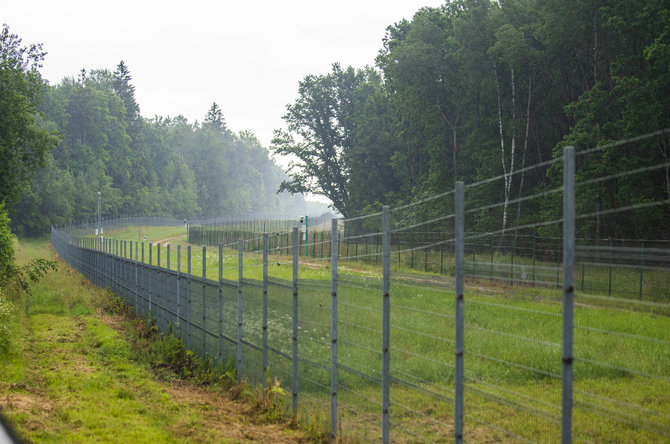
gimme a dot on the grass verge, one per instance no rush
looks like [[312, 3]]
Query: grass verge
[[76, 368]]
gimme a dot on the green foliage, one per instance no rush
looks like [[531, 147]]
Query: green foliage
[[10, 272], [477, 89], [168, 353], [7, 316], [33, 272], [6, 247], [271, 400], [321, 133], [24, 143], [154, 166]]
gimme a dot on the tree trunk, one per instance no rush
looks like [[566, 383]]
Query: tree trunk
[[664, 153], [452, 123], [508, 174], [502, 143], [525, 147]]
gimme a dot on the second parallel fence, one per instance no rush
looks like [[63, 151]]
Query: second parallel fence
[[466, 335]]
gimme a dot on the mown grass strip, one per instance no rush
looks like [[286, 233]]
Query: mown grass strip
[[78, 370]]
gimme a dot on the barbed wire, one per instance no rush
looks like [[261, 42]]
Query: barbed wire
[[425, 335], [420, 343], [498, 429], [663, 378], [624, 404], [543, 414], [515, 364], [623, 335], [510, 335], [622, 142], [421, 224], [422, 201], [624, 300], [633, 421], [365, 216], [467, 187], [622, 174], [361, 346]]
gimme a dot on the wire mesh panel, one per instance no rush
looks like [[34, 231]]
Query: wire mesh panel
[[252, 337], [314, 346], [280, 330], [195, 313], [211, 337], [382, 345], [622, 339]]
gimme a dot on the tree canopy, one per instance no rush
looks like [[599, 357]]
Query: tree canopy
[[163, 165], [478, 88], [24, 141]]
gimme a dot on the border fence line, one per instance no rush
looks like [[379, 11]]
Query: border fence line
[[406, 365]]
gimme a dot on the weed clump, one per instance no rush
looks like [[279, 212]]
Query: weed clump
[[6, 318]]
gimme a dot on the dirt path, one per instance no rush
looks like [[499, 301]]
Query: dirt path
[[165, 241]]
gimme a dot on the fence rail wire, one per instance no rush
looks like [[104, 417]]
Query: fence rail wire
[[387, 358]]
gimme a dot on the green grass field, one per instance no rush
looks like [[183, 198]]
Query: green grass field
[[512, 358], [75, 370]]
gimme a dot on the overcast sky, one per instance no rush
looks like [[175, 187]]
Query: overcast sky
[[246, 55]]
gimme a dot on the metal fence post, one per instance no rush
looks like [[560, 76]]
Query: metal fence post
[[98, 263], [159, 305], [220, 297], [386, 321], [204, 302], [334, 239], [265, 307], [294, 382], [167, 288], [137, 289], [459, 348], [178, 326], [188, 297], [115, 252], [240, 272], [124, 273], [144, 273], [149, 273], [568, 288]]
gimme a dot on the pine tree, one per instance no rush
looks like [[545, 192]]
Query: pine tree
[[126, 91], [214, 118]]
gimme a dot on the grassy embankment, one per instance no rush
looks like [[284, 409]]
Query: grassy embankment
[[513, 353], [78, 369]]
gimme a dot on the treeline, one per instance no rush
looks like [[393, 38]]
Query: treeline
[[477, 89], [156, 166]]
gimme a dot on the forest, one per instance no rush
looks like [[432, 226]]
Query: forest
[[467, 91], [477, 89], [156, 166]]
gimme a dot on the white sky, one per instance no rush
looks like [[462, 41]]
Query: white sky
[[246, 55]]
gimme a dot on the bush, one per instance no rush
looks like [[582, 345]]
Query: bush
[[9, 272], [7, 267], [6, 321]]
